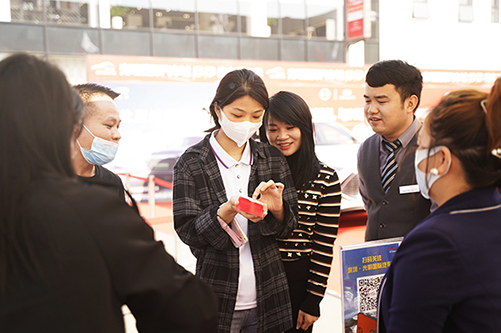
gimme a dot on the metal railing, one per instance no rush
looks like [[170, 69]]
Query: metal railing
[[151, 180]]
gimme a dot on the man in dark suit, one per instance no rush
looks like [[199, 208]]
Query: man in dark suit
[[390, 192]]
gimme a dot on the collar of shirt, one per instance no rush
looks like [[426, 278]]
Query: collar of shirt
[[224, 158], [406, 137]]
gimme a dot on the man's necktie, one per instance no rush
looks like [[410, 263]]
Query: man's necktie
[[390, 166]]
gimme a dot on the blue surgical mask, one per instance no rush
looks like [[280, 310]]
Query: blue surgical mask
[[101, 152], [426, 180]]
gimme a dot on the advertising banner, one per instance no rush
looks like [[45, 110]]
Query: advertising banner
[[164, 101], [362, 269]]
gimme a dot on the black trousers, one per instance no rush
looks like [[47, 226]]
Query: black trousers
[[297, 276]]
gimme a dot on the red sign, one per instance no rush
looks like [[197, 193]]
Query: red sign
[[355, 18]]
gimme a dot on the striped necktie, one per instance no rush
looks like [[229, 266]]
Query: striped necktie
[[390, 166]]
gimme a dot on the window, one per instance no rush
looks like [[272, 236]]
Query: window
[[222, 21], [495, 11], [465, 11], [129, 14], [174, 14], [293, 17], [325, 19], [420, 9], [54, 12], [27, 11], [66, 12], [259, 18]]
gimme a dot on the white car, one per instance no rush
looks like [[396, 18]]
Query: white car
[[336, 146]]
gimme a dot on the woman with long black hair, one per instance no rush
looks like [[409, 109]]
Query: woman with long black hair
[[306, 253], [72, 254]]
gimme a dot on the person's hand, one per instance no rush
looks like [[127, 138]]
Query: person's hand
[[270, 193], [305, 320], [228, 210]]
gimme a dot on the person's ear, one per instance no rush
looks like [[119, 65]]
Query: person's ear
[[411, 103], [443, 160], [217, 110], [77, 129], [74, 147]]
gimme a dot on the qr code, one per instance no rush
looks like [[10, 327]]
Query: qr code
[[368, 288]]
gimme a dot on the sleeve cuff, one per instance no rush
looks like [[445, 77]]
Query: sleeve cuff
[[311, 305]]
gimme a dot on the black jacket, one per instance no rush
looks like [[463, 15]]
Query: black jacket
[[95, 254]]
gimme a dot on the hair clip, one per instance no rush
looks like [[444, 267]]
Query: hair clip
[[483, 104], [496, 152]]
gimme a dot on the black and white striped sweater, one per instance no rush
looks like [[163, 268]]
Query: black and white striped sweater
[[319, 208]]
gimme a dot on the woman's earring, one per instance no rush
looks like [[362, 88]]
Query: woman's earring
[[434, 171]]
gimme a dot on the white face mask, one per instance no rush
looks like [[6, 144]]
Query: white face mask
[[426, 180], [238, 132]]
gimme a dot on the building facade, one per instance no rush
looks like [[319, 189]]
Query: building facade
[[441, 34], [275, 30]]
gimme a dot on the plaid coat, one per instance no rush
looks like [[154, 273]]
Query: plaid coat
[[198, 192]]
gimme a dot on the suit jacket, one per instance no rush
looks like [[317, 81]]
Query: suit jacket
[[198, 192], [390, 214], [95, 254], [446, 274]]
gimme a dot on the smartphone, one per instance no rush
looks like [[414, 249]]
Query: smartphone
[[250, 206]]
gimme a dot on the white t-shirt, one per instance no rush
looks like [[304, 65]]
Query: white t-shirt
[[235, 176]]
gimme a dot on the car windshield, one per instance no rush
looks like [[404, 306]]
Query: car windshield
[[329, 135]]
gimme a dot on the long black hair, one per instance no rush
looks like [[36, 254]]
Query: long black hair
[[236, 84], [39, 114], [291, 109]]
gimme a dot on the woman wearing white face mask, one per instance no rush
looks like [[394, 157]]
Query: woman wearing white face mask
[[248, 278], [445, 276]]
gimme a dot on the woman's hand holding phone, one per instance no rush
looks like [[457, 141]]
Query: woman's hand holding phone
[[252, 209], [233, 206], [270, 193]]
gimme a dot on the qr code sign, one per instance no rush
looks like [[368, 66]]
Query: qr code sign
[[368, 288]]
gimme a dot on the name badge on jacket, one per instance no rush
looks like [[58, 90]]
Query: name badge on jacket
[[409, 189]]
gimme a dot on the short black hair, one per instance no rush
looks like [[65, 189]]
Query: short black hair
[[88, 90], [406, 78]]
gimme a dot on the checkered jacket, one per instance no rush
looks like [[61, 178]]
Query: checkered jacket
[[197, 194]]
